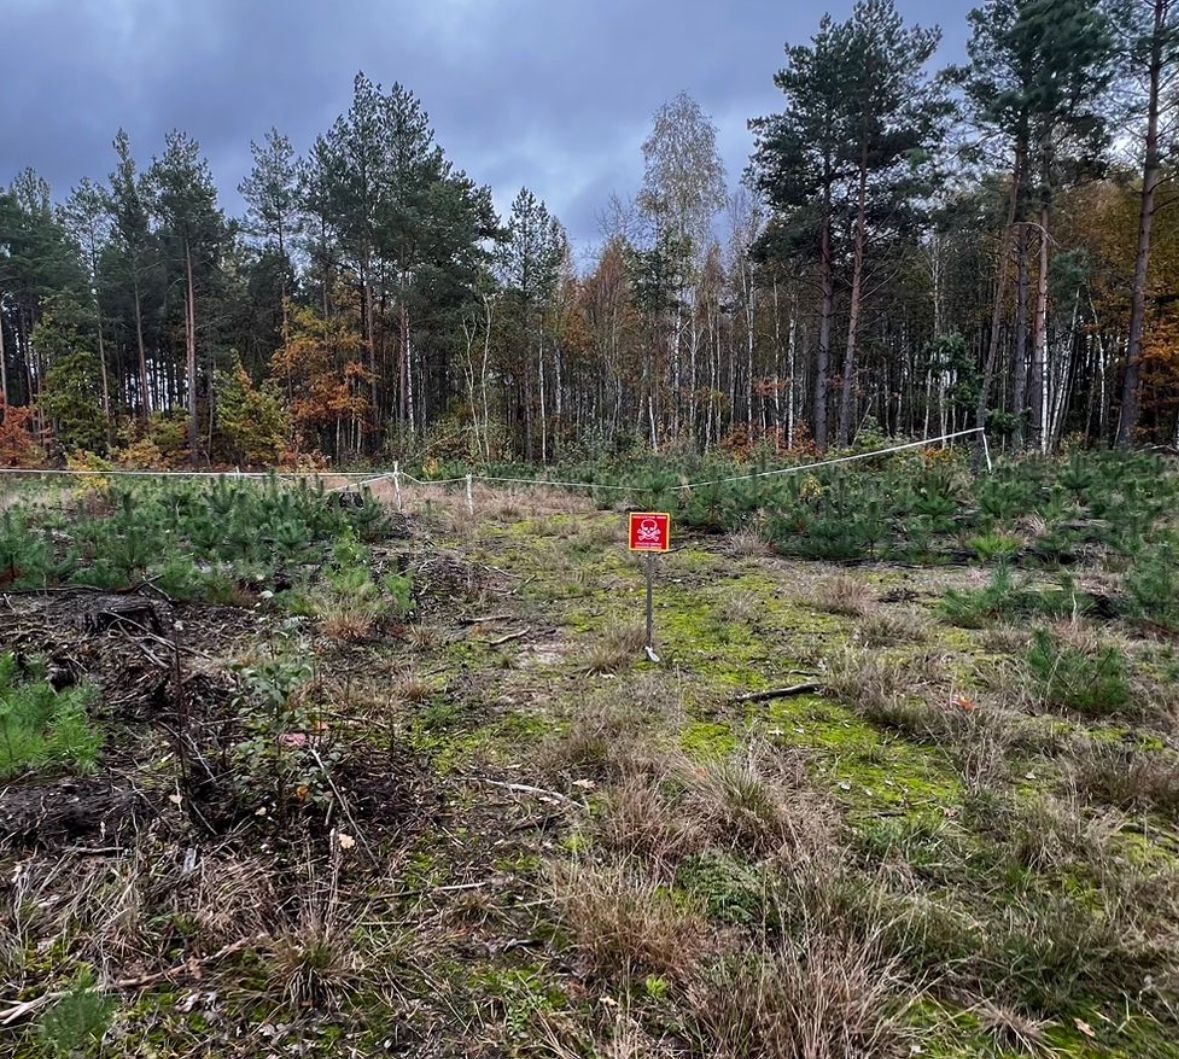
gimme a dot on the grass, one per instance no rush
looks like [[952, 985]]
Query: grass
[[41, 727], [1127, 778], [954, 846], [625, 923], [617, 649], [1078, 673], [843, 595], [889, 628], [821, 995]]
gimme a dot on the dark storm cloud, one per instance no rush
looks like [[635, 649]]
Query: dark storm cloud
[[555, 95]]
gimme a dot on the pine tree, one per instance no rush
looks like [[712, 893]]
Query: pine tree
[[192, 233], [800, 159], [893, 118], [129, 204]]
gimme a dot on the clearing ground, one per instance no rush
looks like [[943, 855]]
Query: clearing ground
[[829, 822]]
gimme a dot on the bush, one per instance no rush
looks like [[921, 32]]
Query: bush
[[18, 446], [253, 422], [1152, 586], [39, 726], [349, 602], [1078, 676], [77, 1023], [204, 540], [1003, 599]]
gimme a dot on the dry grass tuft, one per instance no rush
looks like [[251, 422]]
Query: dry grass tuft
[[749, 543], [411, 689], [866, 682], [980, 741], [625, 923], [614, 732], [822, 996], [315, 963], [665, 807], [615, 651], [843, 594], [640, 819], [1048, 833], [1111, 774], [1006, 639], [343, 623], [759, 803], [234, 898], [743, 608], [425, 637], [1013, 1031], [885, 628]]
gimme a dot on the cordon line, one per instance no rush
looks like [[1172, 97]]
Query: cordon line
[[365, 477]]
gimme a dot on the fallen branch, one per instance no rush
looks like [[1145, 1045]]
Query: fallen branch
[[540, 792], [495, 880], [484, 619], [779, 693], [344, 805], [11, 1014], [509, 636]]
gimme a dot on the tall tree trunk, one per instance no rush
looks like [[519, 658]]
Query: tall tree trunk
[[1019, 367], [544, 423], [676, 378], [106, 393], [483, 378], [3, 359], [847, 390], [826, 308], [144, 393], [191, 357], [1039, 381], [791, 350], [1151, 173], [405, 365], [750, 312], [984, 393], [370, 327]]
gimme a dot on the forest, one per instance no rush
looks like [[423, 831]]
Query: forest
[[911, 250]]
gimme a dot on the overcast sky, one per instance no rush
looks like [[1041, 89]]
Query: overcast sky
[[553, 94]]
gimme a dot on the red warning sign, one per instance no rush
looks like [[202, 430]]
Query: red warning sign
[[650, 531]]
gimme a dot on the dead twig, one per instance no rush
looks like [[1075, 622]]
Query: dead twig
[[780, 693], [19, 1010], [540, 792], [495, 880], [484, 619], [507, 638], [344, 805]]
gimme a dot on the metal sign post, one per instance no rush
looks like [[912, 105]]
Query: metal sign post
[[650, 603], [650, 532]]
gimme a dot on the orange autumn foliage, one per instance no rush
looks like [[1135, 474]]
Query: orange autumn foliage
[[18, 446], [320, 370]]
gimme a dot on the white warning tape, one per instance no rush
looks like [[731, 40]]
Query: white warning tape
[[367, 477]]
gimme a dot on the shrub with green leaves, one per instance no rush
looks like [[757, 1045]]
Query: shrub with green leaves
[[1087, 678], [77, 1023], [40, 727], [1152, 585], [194, 540], [347, 598], [1006, 599], [995, 547]]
